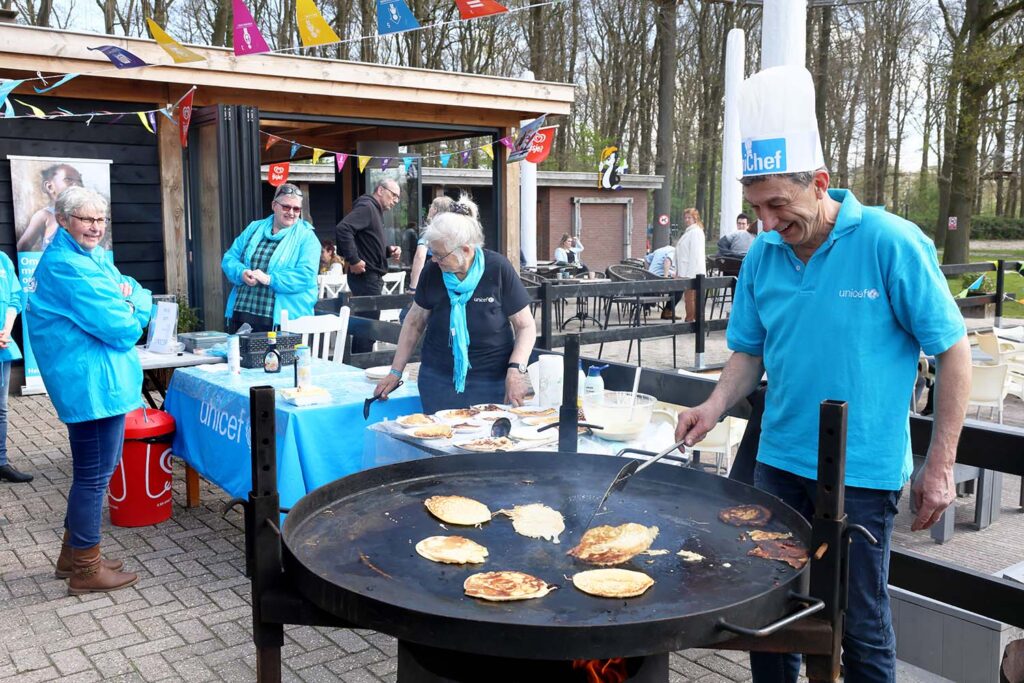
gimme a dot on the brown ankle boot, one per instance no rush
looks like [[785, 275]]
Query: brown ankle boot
[[63, 570], [88, 575]]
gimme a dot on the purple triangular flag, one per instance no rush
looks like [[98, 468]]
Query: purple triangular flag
[[385, 162], [465, 156], [120, 57], [247, 37]]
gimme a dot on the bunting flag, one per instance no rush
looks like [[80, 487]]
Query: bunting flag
[[166, 114], [540, 146], [178, 52], [277, 174], [317, 153], [506, 141], [394, 16], [340, 159], [247, 37], [185, 116], [489, 151], [295, 148], [464, 156], [406, 163], [384, 163], [62, 81], [5, 89], [36, 111], [152, 121], [120, 57], [145, 121], [976, 284], [313, 28], [444, 159], [526, 134], [474, 9], [363, 161], [271, 141]]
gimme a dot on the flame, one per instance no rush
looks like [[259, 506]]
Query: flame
[[602, 670]]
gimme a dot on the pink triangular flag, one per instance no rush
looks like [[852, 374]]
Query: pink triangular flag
[[340, 159], [247, 37]]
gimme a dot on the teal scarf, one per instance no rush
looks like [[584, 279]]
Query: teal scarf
[[459, 294]]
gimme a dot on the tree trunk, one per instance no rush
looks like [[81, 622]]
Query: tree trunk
[[666, 39], [949, 127], [964, 170], [999, 158], [821, 82]]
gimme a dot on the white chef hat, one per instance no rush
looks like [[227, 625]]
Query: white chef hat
[[777, 122]]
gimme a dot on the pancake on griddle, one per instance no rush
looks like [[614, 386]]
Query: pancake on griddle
[[758, 535], [536, 521], [608, 545], [487, 444], [790, 552], [612, 583], [504, 586], [746, 515], [458, 510], [451, 550]]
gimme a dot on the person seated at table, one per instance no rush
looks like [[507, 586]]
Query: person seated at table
[[330, 262], [568, 252], [476, 314], [273, 266], [736, 244], [84, 319], [661, 263]]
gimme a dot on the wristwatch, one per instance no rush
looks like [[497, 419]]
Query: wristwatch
[[517, 366]]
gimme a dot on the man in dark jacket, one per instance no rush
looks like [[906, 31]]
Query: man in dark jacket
[[361, 242]]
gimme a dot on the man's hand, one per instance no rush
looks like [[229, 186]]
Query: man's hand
[[357, 268], [248, 278], [933, 492], [126, 289], [386, 386], [395, 252], [695, 423], [516, 387]]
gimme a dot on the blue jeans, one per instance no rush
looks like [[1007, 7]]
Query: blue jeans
[[437, 390], [869, 643], [5, 380], [95, 451]]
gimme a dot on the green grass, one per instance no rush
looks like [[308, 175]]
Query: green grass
[[1014, 282]]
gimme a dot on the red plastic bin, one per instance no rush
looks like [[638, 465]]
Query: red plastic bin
[[139, 493]]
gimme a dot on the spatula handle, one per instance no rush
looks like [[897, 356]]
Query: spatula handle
[[661, 455]]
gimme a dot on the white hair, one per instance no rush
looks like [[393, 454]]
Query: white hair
[[74, 198], [458, 227]]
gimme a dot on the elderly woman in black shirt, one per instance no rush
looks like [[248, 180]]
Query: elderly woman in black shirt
[[476, 314]]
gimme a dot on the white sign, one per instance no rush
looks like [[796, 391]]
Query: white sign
[[163, 328]]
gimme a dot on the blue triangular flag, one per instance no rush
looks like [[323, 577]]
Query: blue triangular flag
[[977, 283], [5, 89], [62, 81], [120, 57], [406, 162], [295, 148], [445, 158], [394, 16]]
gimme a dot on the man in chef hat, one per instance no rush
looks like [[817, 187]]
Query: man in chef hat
[[836, 300]]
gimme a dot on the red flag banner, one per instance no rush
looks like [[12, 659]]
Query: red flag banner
[[474, 9], [185, 116], [540, 146], [271, 140], [277, 174]]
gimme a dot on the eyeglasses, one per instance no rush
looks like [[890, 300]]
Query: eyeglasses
[[289, 209], [438, 259], [90, 221], [393, 193], [288, 189]]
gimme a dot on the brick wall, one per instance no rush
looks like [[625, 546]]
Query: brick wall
[[601, 224]]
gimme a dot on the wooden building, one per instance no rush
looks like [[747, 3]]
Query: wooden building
[[175, 211]]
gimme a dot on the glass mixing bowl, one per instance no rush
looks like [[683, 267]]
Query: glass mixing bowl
[[620, 419]]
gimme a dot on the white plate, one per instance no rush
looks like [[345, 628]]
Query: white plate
[[453, 415], [491, 407], [469, 426], [404, 423], [378, 373], [531, 434]]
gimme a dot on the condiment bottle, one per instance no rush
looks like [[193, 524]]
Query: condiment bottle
[[594, 384], [272, 359]]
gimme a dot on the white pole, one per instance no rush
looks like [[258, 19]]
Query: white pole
[[783, 33], [732, 154], [528, 202]]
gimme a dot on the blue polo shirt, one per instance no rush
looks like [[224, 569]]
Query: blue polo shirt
[[847, 325]]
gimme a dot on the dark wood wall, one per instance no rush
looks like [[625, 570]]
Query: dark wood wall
[[134, 176]]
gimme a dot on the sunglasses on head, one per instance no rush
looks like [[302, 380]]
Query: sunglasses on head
[[286, 190]]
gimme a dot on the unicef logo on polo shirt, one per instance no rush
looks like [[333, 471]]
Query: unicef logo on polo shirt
[[764, 156], [870, 294]]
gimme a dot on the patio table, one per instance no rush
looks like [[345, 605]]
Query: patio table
[[315, 444]]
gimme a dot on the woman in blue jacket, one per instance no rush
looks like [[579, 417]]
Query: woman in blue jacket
[[84, 318], [273, 266], [11, 301]]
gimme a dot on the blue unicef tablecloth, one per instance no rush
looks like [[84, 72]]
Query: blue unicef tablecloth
[[315, 444]]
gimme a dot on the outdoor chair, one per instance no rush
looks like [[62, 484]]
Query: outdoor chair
[[394, 283], [988, 388], [635, 262], [322, 333], [721, 266], [330, 285], [531, 279], [1000, 350], [636, 305]]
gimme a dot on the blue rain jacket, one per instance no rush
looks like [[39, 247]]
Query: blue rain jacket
[[292, 270], [11, 296], [83, 331]]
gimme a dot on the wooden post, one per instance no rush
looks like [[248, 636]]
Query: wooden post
[[172, 197], [509, 197]]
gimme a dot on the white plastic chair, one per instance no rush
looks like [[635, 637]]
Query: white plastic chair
[[322, 333], [721, 440], [331, 285], [394, 283], [1000, 350], [988, 387]]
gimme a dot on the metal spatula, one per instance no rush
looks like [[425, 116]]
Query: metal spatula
[[375, 397], [628, 470]]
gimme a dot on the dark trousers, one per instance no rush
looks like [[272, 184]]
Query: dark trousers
[[258, 323], [442, 394], [95, 451], [367, 284]]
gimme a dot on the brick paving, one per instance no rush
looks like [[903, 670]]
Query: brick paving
[[189, 619]]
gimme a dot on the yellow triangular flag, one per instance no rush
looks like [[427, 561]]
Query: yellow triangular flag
[[178, 52], [363, 161], [488, 151], [317, 153], [145, 121], [36, 111], [313, 28]]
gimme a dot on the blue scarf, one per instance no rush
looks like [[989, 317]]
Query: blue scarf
[[459, 294]]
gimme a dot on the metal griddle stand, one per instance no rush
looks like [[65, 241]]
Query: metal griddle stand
[[815, 631]]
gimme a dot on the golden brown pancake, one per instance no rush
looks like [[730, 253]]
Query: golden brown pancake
[[746, 515], [540, 420], [536, 521], [758, 535], [415, 420], [790, 552], [457, 413], [451, 550], [433, 432], [533, 411], [690, 556], [488, 444], [608, 545], [505, 585], [458, 510], [612, 583]]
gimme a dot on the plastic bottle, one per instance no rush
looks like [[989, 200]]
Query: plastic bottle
[[234, 355], [272, 359], [581, 380], [303, 367], [594, 384]]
